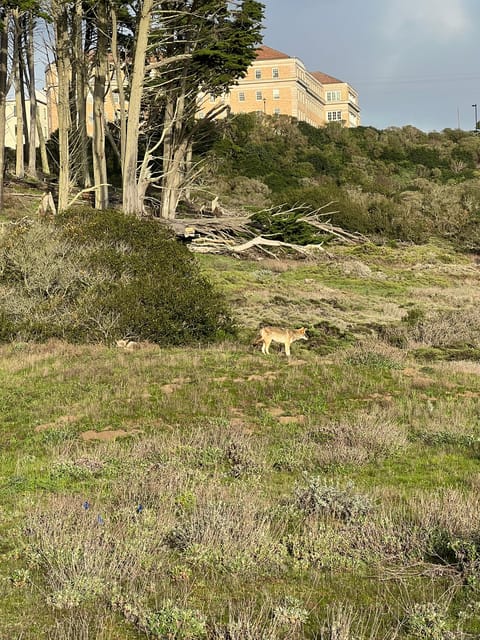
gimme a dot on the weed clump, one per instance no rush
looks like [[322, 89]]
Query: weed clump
[[428, 621], [169, 621], [318, 497], [443, 332]]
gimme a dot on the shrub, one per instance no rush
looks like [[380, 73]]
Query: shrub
[[97, 276], [170, 621], [175, 622], [428, 622], [318, 497]]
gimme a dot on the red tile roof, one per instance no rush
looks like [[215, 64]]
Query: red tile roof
[[267, 53], [324, 77]]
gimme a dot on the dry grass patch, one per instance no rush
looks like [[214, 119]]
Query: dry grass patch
[[443, 420], [361, 437], [454, 512], [460, 367]]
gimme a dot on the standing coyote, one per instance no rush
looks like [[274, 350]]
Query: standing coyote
[[278, 334]]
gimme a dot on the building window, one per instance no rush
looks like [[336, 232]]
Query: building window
[[334, 116], [276, 94], [241, 96], [258, 74], [258, 95], [275, 73], [276, 111], [334, 96]]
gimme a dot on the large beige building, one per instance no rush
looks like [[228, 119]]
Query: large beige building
[[11, 119], [111, 102], [278, 84], [275, 84]]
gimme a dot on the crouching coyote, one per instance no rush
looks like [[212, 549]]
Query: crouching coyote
[[283, 336]]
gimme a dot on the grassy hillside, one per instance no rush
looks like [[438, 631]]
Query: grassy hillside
[[217, 493], [398, 184]]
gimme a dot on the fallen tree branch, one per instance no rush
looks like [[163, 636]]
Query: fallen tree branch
[[216, 245], [235, 234], [80, 193]]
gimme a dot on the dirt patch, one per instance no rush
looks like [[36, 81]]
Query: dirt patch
[[170, 388], [384, 399], [291, 419], [108, 435], [268, 375], [275, 411]]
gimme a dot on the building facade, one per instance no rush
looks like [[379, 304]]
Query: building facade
[[111, 102], [11, 119], [275, 84], [278, 84]]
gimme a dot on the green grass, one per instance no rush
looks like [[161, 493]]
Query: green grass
[[218, 442]]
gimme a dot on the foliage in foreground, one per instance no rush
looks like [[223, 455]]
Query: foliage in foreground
[[94, 277]]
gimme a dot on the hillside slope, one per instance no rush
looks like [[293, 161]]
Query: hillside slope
[[214, 492]]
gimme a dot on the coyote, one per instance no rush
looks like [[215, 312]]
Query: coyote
[[278, 334]]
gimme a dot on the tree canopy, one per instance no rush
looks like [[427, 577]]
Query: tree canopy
[[151, 59]]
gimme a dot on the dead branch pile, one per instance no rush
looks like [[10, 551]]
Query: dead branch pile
[[229, 234]]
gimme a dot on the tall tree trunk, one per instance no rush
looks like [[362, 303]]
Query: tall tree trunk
[[32, 152], [19, 103], [64, 121], [175, 148], [81, 91], [43, 149], [121, 91], [101, 67], [22, 31], [132, 203], [3, 95]]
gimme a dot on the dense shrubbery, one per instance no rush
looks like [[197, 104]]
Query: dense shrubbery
[[99, 276], [399, 183]]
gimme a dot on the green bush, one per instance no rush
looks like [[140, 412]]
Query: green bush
[[97, 276], [318, 497], [285, 226]]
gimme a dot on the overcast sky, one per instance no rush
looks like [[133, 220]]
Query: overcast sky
[[412, 61]]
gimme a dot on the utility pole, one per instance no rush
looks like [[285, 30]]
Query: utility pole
[[476, 118]]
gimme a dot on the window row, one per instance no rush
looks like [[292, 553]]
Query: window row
[[333, 96], [258, 73], [259, 95], [334, 116]]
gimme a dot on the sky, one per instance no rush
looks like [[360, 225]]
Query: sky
[[413, 62]]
